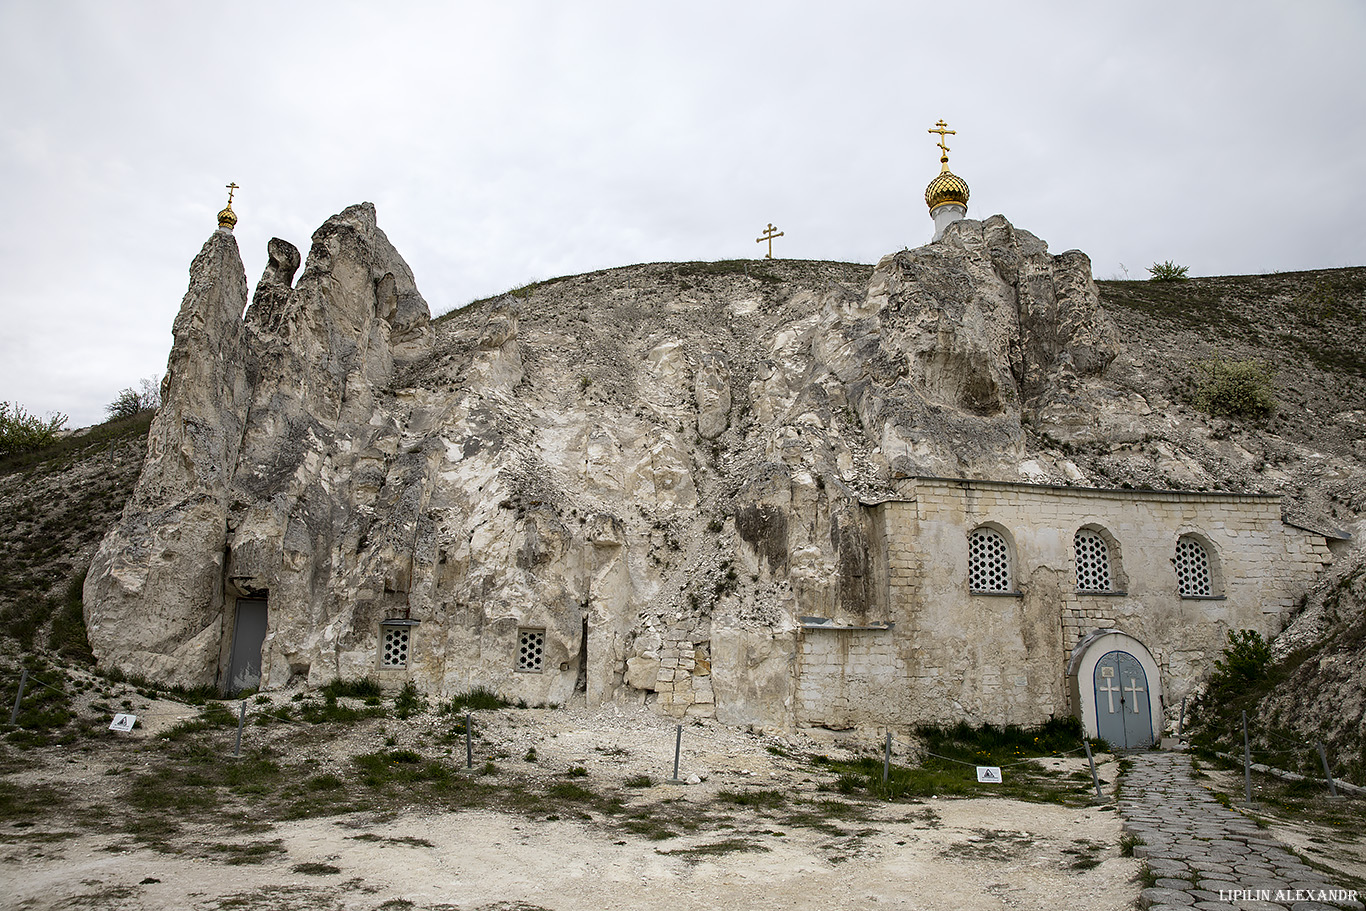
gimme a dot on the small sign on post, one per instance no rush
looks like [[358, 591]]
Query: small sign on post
[[123, 723], [989, 774]]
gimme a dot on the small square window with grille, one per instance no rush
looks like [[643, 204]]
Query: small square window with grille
[[988, 561], [530, 649], [1193, 578], [393, 646], [1093, 562]]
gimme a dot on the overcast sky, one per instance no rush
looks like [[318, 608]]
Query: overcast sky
[[504, 142]]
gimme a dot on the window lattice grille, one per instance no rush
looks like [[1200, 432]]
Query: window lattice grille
[[530, 649], [988, 561], [1093, 562], [1192, 569], [394, 646]]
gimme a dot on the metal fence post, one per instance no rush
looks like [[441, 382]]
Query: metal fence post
[[678, 748], [241, 720], [469, 742], [1091, 759], [1247, 762], [14, 713], [887, 759], [1327, 773]]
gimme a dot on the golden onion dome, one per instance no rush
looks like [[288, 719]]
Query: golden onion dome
[[227, 218], [948, 188], [945, 189]]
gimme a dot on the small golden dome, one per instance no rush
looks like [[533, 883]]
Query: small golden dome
[[948, 188], [228, 218], [945, 189]]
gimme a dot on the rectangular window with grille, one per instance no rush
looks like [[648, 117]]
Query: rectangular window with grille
[[530, 650], [393, 645]]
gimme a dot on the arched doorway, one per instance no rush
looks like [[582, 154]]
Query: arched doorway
[[1116, 690], [1122, 706]]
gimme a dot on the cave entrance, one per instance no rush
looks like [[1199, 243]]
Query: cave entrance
[[248, 635], [581, 681]]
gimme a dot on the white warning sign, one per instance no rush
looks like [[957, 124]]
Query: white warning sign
[[989, 773], [125, 723]]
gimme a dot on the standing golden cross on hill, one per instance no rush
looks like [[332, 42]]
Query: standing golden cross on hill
[[768, 236], [942, 129]]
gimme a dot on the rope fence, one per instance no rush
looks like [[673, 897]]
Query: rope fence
[[1299, 750], [1304, 752]]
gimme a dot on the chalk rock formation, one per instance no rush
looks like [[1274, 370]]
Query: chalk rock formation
[[257, 416], [159, 580], [637, 480]]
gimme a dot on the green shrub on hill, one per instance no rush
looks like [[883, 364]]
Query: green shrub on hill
[[1167, 272], [1236, 389], [24, 432]]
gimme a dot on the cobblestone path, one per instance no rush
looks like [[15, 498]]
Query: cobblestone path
[[1208, 857]]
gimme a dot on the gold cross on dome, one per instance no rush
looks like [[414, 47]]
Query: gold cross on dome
[[942, 129], [768, 236], [231, 188]]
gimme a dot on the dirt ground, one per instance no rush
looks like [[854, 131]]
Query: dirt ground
[[937, 853]]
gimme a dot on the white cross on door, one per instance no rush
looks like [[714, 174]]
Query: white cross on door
[[1133, 689], [1109, 689]]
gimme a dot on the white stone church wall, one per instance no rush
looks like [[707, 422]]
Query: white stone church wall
[[956, 654]]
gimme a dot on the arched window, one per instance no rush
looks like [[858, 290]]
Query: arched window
[[1194, 578], [988, 561], [1093, 562]]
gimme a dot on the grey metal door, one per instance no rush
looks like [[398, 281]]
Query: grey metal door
[[1123, 714], [248, 633]]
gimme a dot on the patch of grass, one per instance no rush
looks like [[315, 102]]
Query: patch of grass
[[649, 826], [1085, 854], [566, 790], [212, 715], [638, 781], [252, 852], [330, 711], [45, 714], [715, 849], [28, 804], [752, 268], [409, 701], [360, 688], [68, 635], [1127, 842], [951, 753], [316, 869], [400, 767], [476, 699]]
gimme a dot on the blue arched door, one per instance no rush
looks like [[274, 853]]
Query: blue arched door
[[1123, 709]]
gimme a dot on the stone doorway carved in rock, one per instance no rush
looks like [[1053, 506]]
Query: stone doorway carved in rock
[[248, 635], [581, 679], [1116, 689]]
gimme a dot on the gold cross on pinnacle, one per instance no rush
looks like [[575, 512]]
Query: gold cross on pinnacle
[[942, 129], [768, 236], [232, 187]]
